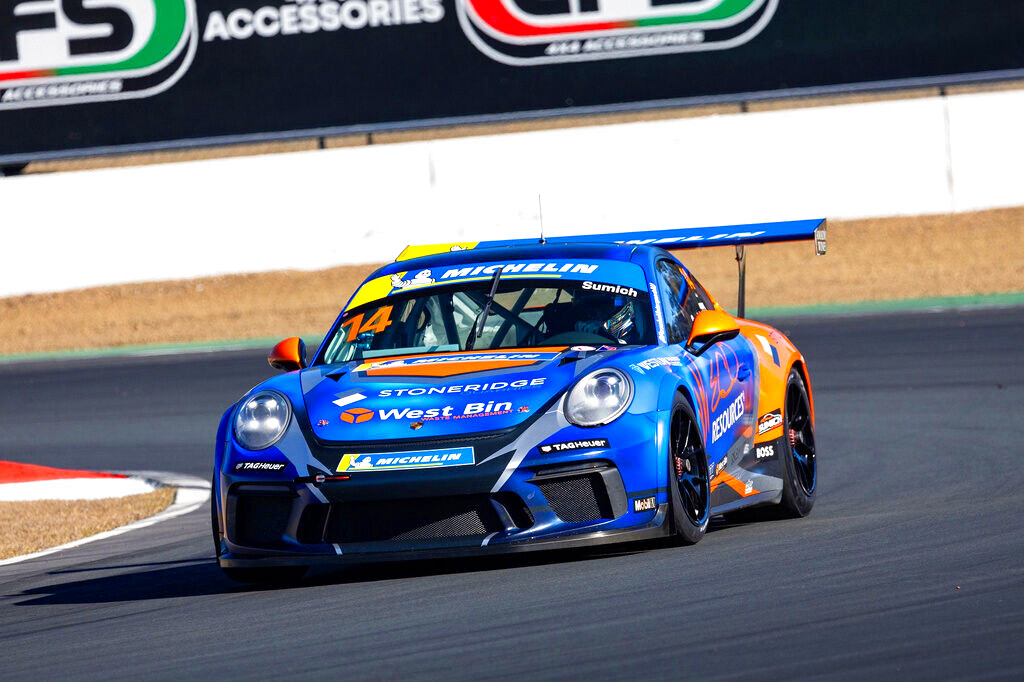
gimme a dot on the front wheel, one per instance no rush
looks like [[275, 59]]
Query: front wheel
[[799, 454], [689, 484]]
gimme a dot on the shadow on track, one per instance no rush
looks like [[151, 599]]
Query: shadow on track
[[202, 577]]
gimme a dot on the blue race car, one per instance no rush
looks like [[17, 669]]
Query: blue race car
[[504, 396]]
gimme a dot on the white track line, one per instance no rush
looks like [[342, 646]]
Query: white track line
[[185, 501]]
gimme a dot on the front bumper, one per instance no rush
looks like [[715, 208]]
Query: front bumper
[[515, 498], [658, 527]]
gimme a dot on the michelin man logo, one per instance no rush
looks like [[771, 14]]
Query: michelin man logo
[[364, 463], [422, 277]]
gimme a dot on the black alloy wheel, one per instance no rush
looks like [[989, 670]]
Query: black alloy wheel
[[689, 482], [799, 461]]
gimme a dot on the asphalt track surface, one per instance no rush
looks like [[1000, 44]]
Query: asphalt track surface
[[911, 565]]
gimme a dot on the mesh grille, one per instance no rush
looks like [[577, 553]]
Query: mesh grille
[[311, 525], [261, 520], [577, 498], [436, 517]]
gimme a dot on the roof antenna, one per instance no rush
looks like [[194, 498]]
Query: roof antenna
[[540, 212]]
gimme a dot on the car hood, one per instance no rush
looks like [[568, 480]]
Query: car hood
[[425, 396]]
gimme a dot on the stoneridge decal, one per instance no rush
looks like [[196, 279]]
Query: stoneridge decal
[[527, 32], [75, 51], [390, 461]]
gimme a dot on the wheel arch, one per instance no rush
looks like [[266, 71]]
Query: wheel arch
[[801, 367]]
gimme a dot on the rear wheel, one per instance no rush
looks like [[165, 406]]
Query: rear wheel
[[799, 456], [689, 485]]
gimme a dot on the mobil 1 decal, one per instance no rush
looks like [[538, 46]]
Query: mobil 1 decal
[[71, 51], [524, 32]]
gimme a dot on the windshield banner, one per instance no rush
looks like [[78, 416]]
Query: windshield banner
[[598, 275]]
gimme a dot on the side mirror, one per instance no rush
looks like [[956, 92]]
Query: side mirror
[[710, 327], [288, 355]]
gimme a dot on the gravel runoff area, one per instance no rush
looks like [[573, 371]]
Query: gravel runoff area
[[33, 526], [868, 260]]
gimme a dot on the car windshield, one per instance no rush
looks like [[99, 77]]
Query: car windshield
[[524, 314]]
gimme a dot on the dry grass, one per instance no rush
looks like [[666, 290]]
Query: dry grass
[[33, 526], [891, 258]]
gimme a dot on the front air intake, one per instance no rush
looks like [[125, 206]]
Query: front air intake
[[457, 516], [577, 498]]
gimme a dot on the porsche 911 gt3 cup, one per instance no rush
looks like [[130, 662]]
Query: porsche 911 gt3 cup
[[489, 397]]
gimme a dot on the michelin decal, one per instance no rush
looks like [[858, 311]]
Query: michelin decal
[[390, 461]]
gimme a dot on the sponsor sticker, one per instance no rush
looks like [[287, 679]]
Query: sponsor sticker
[[356, 415], [765, 451], [446, 359], [725, 421], [769, 422], [652, 363], [75, 51], [573, 445], [610, 289], [422, 278], [260, 466], [391, 461], [344, 400], [525, 32], [641, 504], [460, 388]]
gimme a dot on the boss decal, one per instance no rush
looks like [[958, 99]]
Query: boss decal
[[75, 51], [765, 451], [524, 32]]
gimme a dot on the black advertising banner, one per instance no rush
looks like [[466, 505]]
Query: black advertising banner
[[106, 75]]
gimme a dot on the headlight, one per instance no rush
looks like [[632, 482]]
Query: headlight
[[262, 420], [599, 398]]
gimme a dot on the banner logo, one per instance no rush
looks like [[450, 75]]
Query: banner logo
[[73, 51], [524, 32]]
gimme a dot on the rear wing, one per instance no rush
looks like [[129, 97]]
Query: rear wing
[[684, 238]]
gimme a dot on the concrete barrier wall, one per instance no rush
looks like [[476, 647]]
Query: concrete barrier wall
[[318, 209]]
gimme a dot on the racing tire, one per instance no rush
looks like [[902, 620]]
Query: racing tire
[[799, 460], [270, 575], [689, 483]]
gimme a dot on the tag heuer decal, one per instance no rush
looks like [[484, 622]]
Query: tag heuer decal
[[53, 53], [524, 32]]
